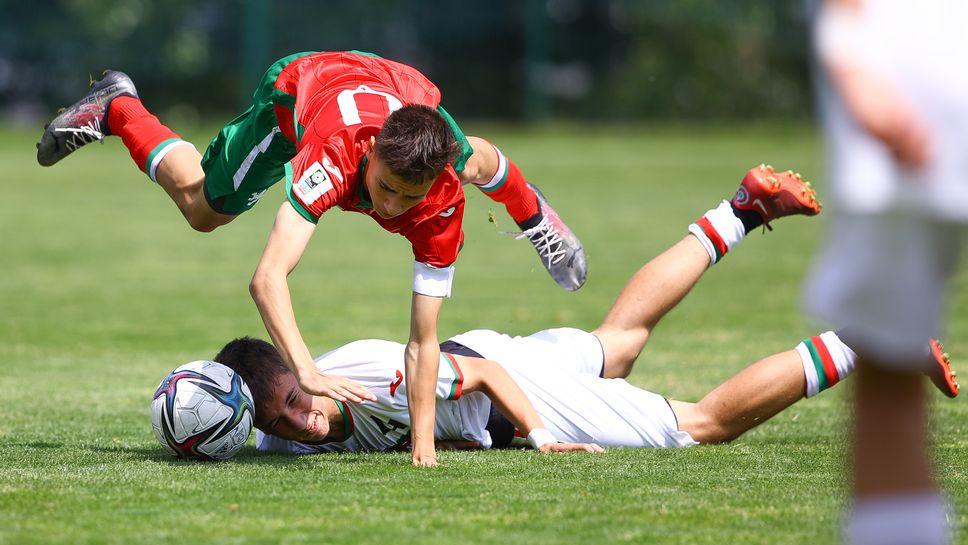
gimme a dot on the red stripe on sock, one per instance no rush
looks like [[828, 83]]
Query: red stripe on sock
[[140, 131], [519, 200], [829, 368], [713, 235]]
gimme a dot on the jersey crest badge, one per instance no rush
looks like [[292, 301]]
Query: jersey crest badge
[[313, 183]]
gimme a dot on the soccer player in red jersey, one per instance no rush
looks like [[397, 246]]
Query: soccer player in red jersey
[[348, 130]]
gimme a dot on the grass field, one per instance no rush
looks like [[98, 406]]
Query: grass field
[[104, 289]]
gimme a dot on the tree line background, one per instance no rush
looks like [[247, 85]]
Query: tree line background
[[516, 60]]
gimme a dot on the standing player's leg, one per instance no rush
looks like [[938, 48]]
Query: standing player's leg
[[659, 285], [112, 107], [501, 180], [887, 276]]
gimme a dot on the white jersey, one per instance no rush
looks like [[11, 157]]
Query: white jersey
[[557, 369], [384, 424], [921, 48]]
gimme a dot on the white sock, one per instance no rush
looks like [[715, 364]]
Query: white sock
[[826, 361], [719, 231], [909, 519]]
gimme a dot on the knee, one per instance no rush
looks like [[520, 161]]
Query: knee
[[620, 365], [202, 226], [703, 427], [205, 222], [710, 431]]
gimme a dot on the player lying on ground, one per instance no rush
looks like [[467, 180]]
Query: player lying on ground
[[549, 385], [347, 130]]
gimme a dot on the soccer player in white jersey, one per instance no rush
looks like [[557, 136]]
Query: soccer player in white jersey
[[893, 90], [551, 385]]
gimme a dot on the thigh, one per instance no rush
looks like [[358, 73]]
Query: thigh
[[245, 158]]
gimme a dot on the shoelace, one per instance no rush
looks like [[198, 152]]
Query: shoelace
[[84, 134], [545, 239]]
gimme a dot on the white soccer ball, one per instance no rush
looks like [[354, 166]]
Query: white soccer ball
[[202, 410]]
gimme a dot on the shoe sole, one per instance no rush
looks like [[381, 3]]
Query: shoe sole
[[942, 375]]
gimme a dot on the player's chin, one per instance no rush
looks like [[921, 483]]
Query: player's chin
[[386, 215]]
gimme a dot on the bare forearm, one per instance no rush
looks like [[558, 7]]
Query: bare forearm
[[271, 295], [422, 360], [498, 385]]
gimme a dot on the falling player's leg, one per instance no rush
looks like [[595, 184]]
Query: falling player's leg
[[659, 285]]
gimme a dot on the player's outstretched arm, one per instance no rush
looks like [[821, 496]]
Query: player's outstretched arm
[[421, 361], [877, 105], [270, 290], [493, 380]]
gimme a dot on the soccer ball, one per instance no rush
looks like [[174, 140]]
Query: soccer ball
[[202, 410]]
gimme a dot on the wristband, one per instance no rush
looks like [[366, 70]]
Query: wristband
[[432, 281], [540, 437]]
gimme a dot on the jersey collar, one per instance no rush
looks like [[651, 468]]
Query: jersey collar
[[361, 193]]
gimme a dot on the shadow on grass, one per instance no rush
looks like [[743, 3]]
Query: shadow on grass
[[247, 456]]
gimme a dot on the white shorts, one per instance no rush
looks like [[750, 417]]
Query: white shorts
[[558, 370], [886, 278]]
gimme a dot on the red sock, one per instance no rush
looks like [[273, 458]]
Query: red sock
[[509, 188], [140, 131]]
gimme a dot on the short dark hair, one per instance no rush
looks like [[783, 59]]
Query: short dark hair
[[416, 143], [257, 362]]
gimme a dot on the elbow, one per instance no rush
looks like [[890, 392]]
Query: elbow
[[258, 286]]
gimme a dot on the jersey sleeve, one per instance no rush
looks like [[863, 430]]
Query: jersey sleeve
[[450, 378], [466, 150], [315, 181]]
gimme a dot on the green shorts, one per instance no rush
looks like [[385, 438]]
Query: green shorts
[[249, 154]]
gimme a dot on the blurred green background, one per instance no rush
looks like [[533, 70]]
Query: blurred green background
[[634, 116], [511, 60]]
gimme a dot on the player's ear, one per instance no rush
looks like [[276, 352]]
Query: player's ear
[[370, 145]]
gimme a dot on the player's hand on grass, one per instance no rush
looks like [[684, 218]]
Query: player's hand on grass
[[424, 460], [335, 387], [570, 447]]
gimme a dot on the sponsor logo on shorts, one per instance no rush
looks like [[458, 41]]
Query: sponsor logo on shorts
[[448, 213], [254, 198]]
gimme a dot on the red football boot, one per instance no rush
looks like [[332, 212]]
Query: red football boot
[[776, 194]]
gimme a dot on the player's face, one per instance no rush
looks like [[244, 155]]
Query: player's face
[[292, 413], [390, 195]]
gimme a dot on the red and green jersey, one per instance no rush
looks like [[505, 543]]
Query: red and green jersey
[[341, 100]]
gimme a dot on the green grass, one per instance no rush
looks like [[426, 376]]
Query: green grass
[[104, 289]]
